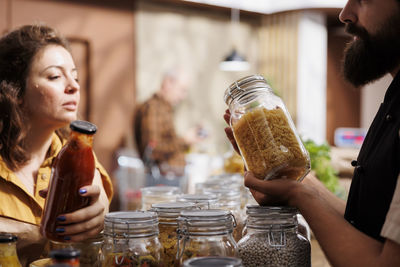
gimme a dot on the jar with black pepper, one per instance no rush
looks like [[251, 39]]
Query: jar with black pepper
[[168, 224], [131, 239], [205, 233], [271, 238], [264, 131]]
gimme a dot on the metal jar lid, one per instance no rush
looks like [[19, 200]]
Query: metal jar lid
[[7, 238], [83, 127], [244, 86], [213, 261]]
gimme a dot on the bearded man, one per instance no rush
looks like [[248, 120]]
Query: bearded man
[[365, 231]]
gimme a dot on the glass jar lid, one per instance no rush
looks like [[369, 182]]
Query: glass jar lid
[[131, 224], [271, 216], [227, 197], [244, 86], [7, 238], [198, 198], [171, 209], [213, 261], [206, 222]]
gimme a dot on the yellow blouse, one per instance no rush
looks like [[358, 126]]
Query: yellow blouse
[[18, 204]]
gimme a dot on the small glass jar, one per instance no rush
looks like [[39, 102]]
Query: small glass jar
[[264, 131], [90, 250], [230, 200], [8, 250], [168, 214], [68, 256], [158, 194], [131, 239], [205, 233], [213, 261], [271, 238], [201, 201]]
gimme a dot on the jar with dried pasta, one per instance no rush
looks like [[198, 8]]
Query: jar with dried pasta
[[167, 217], [205, 233], [264, 131]]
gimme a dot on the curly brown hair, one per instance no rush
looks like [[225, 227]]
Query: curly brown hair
[[17, 50]]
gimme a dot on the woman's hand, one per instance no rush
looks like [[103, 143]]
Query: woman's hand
[[86, 222], [89, 221]]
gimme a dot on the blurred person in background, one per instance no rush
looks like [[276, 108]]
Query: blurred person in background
[[156, 138], [365, 231], [39, 97]]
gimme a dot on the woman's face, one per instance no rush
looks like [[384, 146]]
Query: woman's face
[[52, 91]]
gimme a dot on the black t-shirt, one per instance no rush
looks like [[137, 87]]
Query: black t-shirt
[[377, 168]]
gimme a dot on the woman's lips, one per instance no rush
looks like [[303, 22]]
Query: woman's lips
[[71, 106]]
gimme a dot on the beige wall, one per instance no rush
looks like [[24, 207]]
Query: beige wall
[[110, 34], [198, 40]]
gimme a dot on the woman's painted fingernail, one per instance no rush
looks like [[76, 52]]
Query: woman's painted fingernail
[[82, 191], [60, 230], [67, 238], [61, 218]]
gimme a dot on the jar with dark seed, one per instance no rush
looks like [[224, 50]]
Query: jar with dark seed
[[271, 238]]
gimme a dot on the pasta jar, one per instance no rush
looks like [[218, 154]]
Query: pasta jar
[[271, 238], [213, 261], [158, 194], [264, 131], [205, 233], [230, 199], [131, 239], [167, 224], [201, 201], [8, 250]]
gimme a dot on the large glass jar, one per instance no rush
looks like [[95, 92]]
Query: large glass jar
[[8, 250], [90, 250], [158, 194], [272, 239], [205, 233], [131, 239], [201, 201], [230, 200], [264, 131], [168, 224]]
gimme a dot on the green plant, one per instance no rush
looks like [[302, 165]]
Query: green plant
[[321, 164]]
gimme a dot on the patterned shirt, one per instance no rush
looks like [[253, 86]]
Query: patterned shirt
[[155, 135]]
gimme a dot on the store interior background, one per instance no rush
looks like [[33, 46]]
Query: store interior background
[[122, 48]]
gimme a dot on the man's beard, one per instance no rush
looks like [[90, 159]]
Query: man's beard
[[372, 56]]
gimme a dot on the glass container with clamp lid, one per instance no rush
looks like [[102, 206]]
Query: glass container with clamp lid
[[131, 239], [264, 131], [271, 238], [205, 233]]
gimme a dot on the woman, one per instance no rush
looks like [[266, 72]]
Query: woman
[[39, 95]]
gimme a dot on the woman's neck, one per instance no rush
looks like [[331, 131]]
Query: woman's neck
[[38, 142]]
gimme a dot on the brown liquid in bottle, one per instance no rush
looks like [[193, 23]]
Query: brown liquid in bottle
[[72, 169]]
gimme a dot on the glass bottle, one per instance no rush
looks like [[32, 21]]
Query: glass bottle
[[158, 194], [167, 217], [230, 200], [205, 233], [264, 131], [213, 261], [8, 250], [72, 169], [67, 255], [201, 201], [131, 239], [271, 238]]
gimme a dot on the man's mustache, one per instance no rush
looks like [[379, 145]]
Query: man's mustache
[[356, 30]]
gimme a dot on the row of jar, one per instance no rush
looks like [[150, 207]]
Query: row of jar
[[172, 233]]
